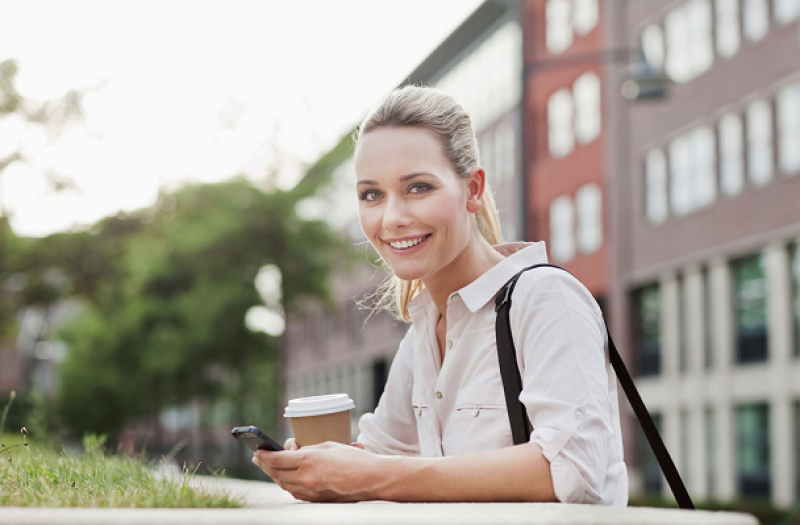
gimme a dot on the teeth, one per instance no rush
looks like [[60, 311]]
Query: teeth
[[407, 244]]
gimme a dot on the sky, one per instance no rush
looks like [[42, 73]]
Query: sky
[[196, 91]]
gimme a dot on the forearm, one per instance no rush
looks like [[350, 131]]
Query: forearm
[[519, 473]]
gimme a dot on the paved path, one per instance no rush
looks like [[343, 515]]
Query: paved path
[[267, 504]]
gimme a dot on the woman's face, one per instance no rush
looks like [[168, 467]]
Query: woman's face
[[413, 208]]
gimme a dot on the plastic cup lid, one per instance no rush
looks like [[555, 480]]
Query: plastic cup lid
[[318, 405]]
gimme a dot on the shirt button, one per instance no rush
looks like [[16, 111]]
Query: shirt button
[[449, 345], [455, 297], [579, 414], [438, 395], [475, 411]]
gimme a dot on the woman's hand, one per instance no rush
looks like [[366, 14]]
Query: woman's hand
[[326, 472]]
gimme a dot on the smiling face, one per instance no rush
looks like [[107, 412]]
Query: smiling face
[[413, 208]]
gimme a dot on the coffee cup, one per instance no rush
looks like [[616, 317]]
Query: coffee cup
[[318, 419]]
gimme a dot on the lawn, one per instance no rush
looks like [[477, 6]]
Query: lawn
[[39, 476]]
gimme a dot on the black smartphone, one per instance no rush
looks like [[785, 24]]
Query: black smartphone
[[255, 439]]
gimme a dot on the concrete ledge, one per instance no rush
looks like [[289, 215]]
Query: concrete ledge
[[269, 505]]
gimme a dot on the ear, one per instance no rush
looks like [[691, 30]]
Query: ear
[[476, 182]]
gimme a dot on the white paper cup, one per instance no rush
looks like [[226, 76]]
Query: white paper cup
[[318, 419]]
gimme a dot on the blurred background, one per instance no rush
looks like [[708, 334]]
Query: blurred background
[[179, 246]]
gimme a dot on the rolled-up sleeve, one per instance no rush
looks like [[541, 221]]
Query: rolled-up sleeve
[[565, 380], [392, 428]]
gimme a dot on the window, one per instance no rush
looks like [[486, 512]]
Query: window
[[693, 170], [755, 15], [652, 479], [752, 450], [728, 31], [731, 154], [797, 447], [690, 49], [794, 258], [685, 444], [584, 16], [587, 107], [562, 226], [708, 321], [788, 116], [655, 169], [785, 11], [653, 46], [750, 309], [505, 151], [589, 202], [683, 324], [558, 31], [647, 327], [561, 138], [711, 448], [759, 142]]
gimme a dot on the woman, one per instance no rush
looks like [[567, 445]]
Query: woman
[[441, 430]]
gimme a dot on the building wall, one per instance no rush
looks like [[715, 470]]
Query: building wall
[[552, 176], [728, 417]]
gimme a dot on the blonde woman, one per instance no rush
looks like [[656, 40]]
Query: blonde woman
[[441, 430]]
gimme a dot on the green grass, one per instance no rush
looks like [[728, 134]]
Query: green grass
[[43, 477]]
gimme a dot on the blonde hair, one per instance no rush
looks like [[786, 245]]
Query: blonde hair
[[432, 110]]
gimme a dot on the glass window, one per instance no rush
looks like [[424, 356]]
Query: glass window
[[587, 107], [487, 151], [731, 154], [647, 328], [711, 454], [794, 254], [584, 15], [506, 151], [750, 309], [680, 163], [759, 142], [788, 115], [785, 11], [708, 321], [558, 30], [752, 450], [652, 479], [562, 227], [655, 169], [683, 325], [653, 46], [589, 202], [561, 138], [690, 48], [755, 16], [704, 166], [728, 31]]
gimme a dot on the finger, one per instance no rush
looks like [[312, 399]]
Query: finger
[[287, 460], [291, 444], [359, 445]]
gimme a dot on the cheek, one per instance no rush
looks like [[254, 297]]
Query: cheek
[[369, 221]]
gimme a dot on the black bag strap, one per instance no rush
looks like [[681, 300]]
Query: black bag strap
[[512, 385]]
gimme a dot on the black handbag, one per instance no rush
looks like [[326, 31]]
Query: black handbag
[[512, 384]]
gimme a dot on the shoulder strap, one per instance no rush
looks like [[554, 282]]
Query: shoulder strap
[[512, 385]]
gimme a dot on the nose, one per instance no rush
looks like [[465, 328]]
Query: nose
[[396, 214]]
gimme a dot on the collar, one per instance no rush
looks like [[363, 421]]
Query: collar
[[483, 289]]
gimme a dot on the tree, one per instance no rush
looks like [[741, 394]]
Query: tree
[[174, 330]]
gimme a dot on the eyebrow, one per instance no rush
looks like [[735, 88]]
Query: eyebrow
[[402, 179]]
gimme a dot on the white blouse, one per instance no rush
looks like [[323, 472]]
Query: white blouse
[[569, 389]]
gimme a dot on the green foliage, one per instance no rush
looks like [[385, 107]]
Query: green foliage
[[763, 510], [46, 478], [165, 322]]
